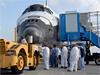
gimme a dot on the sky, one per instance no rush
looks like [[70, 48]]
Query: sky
[[11, 10]]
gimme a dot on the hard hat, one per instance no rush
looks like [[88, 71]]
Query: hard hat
[[63, 44], [44, 44]]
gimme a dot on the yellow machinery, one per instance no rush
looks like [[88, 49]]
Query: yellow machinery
[[18, 55]]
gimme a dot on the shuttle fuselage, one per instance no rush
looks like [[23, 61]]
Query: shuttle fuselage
[[40, 22]]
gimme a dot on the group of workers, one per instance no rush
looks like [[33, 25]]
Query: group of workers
[[72, 58], [75, 57]]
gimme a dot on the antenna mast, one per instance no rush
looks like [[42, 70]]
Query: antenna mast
[[46, 2]]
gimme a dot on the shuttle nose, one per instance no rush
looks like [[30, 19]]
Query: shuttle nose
[[35, 32]]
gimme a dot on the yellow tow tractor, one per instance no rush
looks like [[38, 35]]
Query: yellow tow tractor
[[18, 55]]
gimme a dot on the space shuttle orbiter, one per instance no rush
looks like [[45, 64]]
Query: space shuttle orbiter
[[40, 22]]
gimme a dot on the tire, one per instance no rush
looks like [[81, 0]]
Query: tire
[[4, 68], [97, 60], [18, 69], [32, 68], [34, 65]]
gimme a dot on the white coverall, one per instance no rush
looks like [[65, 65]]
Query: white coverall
[[74, 56], [46, 54], [64, 56], [23, 41], [79, 60]]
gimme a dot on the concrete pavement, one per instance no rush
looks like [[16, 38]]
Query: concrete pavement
[[91, 69]]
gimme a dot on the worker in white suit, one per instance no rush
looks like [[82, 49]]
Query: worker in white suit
[[23, 40], [74, 56], [64, 56], [79, 59], [46, 54]]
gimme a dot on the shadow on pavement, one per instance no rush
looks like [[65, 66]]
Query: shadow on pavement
[[9, 73]]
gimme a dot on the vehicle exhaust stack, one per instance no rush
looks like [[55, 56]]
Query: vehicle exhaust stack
[[15, 34], [30, 39]]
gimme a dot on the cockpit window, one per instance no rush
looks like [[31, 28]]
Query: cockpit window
[[48, 11], [34, 8], [41, 9], [38, 7], [26, 10]]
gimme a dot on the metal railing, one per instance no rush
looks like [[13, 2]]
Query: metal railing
[[87, 18], [94, 17]]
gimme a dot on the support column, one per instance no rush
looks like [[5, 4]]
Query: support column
[[70, 44], [87, 53], [68, 41]]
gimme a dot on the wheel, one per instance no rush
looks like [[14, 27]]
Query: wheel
[[18, 69], [34, 63], [97, 60], [4, 68]]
